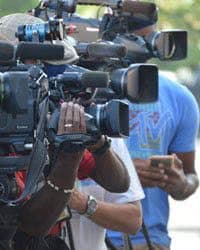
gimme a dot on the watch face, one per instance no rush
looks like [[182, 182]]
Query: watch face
[[92, 206]]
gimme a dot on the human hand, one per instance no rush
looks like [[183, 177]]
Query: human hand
[[78, 201], [99, 143], [149, 176], [71, 120], [176, 180]]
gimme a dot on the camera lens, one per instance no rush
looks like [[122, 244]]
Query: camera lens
[[110, 119]]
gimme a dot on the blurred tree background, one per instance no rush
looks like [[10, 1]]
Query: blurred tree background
[[181, 14]]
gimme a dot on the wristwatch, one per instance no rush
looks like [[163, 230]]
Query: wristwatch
[[92, 206]]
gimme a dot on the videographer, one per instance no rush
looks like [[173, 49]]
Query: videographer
[[167, 127], [41, 211]]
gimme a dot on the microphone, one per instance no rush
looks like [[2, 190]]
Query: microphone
[[101, 50], [77, 80], [26, 50], [7, 52], [95, 79]]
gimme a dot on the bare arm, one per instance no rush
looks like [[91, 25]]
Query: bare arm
[[126, 217], [40, 213], [111, 173], [43, 209], [182, 178]]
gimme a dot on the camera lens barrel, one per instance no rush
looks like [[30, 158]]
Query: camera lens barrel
[[110, 119], [40, 32]]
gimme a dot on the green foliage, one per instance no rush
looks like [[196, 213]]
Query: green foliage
[[13, 6]]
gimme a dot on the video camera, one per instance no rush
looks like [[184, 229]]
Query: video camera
[[164, 45], [23, 108], [126, 16], [22, 96], [109, 118], [119, 26]]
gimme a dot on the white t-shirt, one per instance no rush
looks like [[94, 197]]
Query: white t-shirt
[[88, 235]]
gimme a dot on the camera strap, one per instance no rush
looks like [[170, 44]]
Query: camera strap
[[127, 240], [109, 244], [38, 155], [70, 234], [146, 236], [67, 232]]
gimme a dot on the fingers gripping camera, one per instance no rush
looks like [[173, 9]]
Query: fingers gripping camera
[[77, 129]]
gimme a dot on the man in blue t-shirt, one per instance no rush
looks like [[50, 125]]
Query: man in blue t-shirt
[[168, 126]]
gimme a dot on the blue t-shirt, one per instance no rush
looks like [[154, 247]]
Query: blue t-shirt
[[169, 125]]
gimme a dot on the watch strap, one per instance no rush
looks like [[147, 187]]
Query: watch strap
[[100, 151]]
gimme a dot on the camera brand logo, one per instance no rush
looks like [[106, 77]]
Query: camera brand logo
[[22, 126]]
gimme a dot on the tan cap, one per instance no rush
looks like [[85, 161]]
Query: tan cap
[[9, 25]]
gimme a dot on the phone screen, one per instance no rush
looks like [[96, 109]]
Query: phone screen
[[166, 160]]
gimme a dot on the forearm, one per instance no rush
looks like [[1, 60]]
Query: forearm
[[40, 213], [37, 221], [188, 189], [125, 218], [110, 172]]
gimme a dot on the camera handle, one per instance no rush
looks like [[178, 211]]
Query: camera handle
[[74, 142], [9, 218]]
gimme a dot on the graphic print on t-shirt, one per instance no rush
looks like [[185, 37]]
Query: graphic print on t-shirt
[[147, 127]]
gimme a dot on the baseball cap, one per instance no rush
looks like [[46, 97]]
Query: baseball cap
[[9, 25]]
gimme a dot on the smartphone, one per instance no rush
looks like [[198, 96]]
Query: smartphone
[[166, 160]]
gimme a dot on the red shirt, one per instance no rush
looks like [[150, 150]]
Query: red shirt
[[86, 166]]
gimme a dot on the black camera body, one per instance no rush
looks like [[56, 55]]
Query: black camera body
[[17, 103], [21, 96], [19, 109]]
